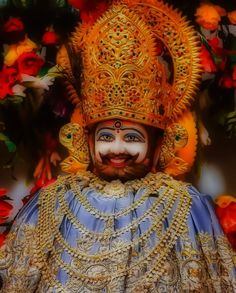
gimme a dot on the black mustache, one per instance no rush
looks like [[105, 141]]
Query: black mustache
[[118, 156]]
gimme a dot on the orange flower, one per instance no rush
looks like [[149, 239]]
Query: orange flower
[[232, 17], [208, 16], [15, 50], [220, 10]]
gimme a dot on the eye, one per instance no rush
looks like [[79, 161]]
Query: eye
[[107, 137], [133, 137]]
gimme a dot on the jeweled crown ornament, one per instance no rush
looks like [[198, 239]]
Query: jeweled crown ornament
[[121, 74]]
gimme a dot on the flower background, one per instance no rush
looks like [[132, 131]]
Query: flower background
[[34, 104]]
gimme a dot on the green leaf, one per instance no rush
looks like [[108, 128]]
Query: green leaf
[[10, 146]]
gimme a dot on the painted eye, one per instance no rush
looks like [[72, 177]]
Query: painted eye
[[106, 137], [132, 138]]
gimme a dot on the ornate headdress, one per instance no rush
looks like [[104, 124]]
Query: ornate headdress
[[123, 73]]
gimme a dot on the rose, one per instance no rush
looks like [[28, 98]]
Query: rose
[[8, 77], [50, 38], [29, 63], [13, 24]]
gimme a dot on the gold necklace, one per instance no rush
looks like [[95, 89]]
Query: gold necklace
[[107, 234], [174, 192]]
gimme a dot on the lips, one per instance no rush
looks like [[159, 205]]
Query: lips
[[118, 161]]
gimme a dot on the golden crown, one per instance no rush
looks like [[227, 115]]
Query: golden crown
[[122, 76]]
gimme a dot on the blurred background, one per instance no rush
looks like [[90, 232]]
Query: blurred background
[[34, 103]]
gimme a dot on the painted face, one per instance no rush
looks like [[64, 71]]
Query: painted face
[[120, 150]]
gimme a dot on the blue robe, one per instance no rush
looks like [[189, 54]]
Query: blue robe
[[154, 235]]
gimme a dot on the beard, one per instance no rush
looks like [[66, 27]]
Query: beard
[[130, 171]]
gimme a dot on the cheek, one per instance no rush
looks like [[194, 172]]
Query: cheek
[[101, 147], [137, 148]]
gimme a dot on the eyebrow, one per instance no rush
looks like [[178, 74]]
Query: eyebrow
[[133, 129], [122, 128], [103, 128]]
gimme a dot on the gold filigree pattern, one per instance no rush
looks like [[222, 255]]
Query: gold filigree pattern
[[121, 75], [22, 265], [178, 148], [73, 137], [106, 262], [158, 254], [175, 137]]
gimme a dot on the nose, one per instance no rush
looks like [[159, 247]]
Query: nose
[[118, 146]]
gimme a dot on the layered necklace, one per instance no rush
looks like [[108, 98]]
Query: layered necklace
[[170, 204]]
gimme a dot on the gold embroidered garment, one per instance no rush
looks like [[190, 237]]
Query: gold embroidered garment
[[82, 234]]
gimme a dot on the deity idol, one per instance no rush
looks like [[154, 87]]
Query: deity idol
[[119, 222]]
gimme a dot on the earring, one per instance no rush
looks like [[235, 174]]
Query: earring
[[178, 149], [74, 138]]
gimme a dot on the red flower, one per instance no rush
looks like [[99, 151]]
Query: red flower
[[90, 10], [227, 217], [3, 191], [29, 63], [226, 81], [5, 209], [50, 38], [13, 24], [8, 77], [215, 46], [207, 60], [5, 90], [226, 213]]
